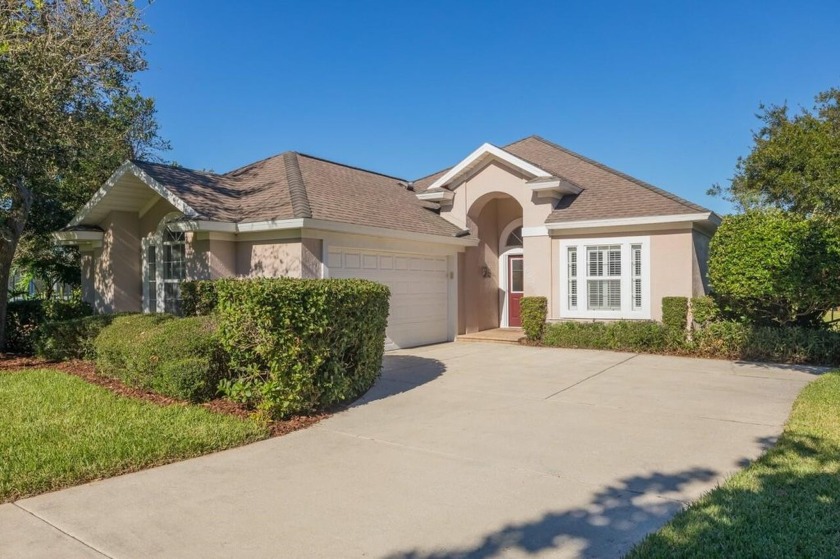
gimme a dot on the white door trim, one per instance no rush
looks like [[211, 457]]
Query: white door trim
[[504, 280]]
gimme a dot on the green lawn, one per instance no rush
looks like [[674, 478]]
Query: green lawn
[[786, 504], [57, 430]]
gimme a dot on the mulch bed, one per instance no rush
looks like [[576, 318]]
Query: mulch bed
[[87, 371]]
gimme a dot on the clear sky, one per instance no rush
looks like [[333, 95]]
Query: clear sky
[[665, 91]]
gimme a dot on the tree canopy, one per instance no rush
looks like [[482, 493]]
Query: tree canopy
[[794, 164], [70, 112]]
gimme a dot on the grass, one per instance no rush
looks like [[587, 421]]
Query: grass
[[57, 430], [785, 504]]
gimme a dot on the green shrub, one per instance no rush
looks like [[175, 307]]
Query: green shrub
[[775, 268], [176, 357], [675, 313], [198, 297], [70, 339], [730, 339], [534, 312], [297, 345], [624, 335], [24, 317], [704, 310]]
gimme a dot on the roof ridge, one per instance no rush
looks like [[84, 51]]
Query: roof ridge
[[174, 166], [316, 158], [257, 162], [607, 168], [297, 188]]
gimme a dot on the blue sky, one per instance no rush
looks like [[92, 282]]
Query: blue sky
[[664, 91]]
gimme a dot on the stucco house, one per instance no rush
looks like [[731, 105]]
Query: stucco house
[[458, 248]]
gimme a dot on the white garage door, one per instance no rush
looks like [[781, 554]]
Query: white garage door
[[419, 297]]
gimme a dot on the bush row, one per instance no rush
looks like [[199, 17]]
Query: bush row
[[709, 337], [23, 318], [281, 346]]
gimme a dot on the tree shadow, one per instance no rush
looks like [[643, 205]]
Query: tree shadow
[[401, 373], [615, 519], [799, 368]]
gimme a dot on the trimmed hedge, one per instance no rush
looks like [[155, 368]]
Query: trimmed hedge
[[198, 297], [299, 345], [675, 313], [704, 310], [70, 339], [534, 312], [24, 317], [786, 344], [176, 357], [623, 335]]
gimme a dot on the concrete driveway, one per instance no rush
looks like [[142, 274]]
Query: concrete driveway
[[461, 450]]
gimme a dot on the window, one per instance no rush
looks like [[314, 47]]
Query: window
[[515, 238], [605, 278], [636, 256], [572, 268], [164, 266]]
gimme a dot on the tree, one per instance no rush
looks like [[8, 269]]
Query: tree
[[794, 164], [776, 268], [66, 76]]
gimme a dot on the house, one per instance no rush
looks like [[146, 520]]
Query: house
[[458, 248]]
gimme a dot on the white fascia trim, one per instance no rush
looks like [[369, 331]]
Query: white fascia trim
[[649, 220], [483, 150], [129, 167], [308, 223], [540, 231], [555, 188], [78, 236], [202, 225], [438, 196]]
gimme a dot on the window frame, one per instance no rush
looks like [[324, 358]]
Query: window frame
[[627, 310], [156, 240]]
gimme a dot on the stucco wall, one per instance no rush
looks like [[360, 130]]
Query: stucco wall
[[117, 277], [268, 259], [700, 264], [310, 258], [88, 262], [151, 219], [671, 266]]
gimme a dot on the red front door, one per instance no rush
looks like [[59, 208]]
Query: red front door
[[516, 282]]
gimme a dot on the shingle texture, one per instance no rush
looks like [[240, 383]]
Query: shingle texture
[[293, 185], [607, 193]]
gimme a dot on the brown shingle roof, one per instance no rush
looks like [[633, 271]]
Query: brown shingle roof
[[294, 185], [607, 193]]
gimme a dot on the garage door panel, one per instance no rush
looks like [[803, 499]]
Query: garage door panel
[[419, 310]]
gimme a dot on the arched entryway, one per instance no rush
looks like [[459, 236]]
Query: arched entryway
[[492, 275]]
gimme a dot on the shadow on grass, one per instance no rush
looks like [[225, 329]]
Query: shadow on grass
[[614, 520], [787, 504], [401, 373]]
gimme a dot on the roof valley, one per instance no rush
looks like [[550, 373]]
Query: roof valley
[[297, 188]]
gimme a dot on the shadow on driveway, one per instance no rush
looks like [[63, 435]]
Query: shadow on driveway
[[401, 373], [617, 517]]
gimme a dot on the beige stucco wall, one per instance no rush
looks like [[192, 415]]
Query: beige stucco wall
[[88, 264], [268, 258], [151, 219], [671, 266], [117, 269], [311, 252], [700, 263]]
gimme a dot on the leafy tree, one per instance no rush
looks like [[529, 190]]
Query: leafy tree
[[69, 112], [794, 164], [776, 268]]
